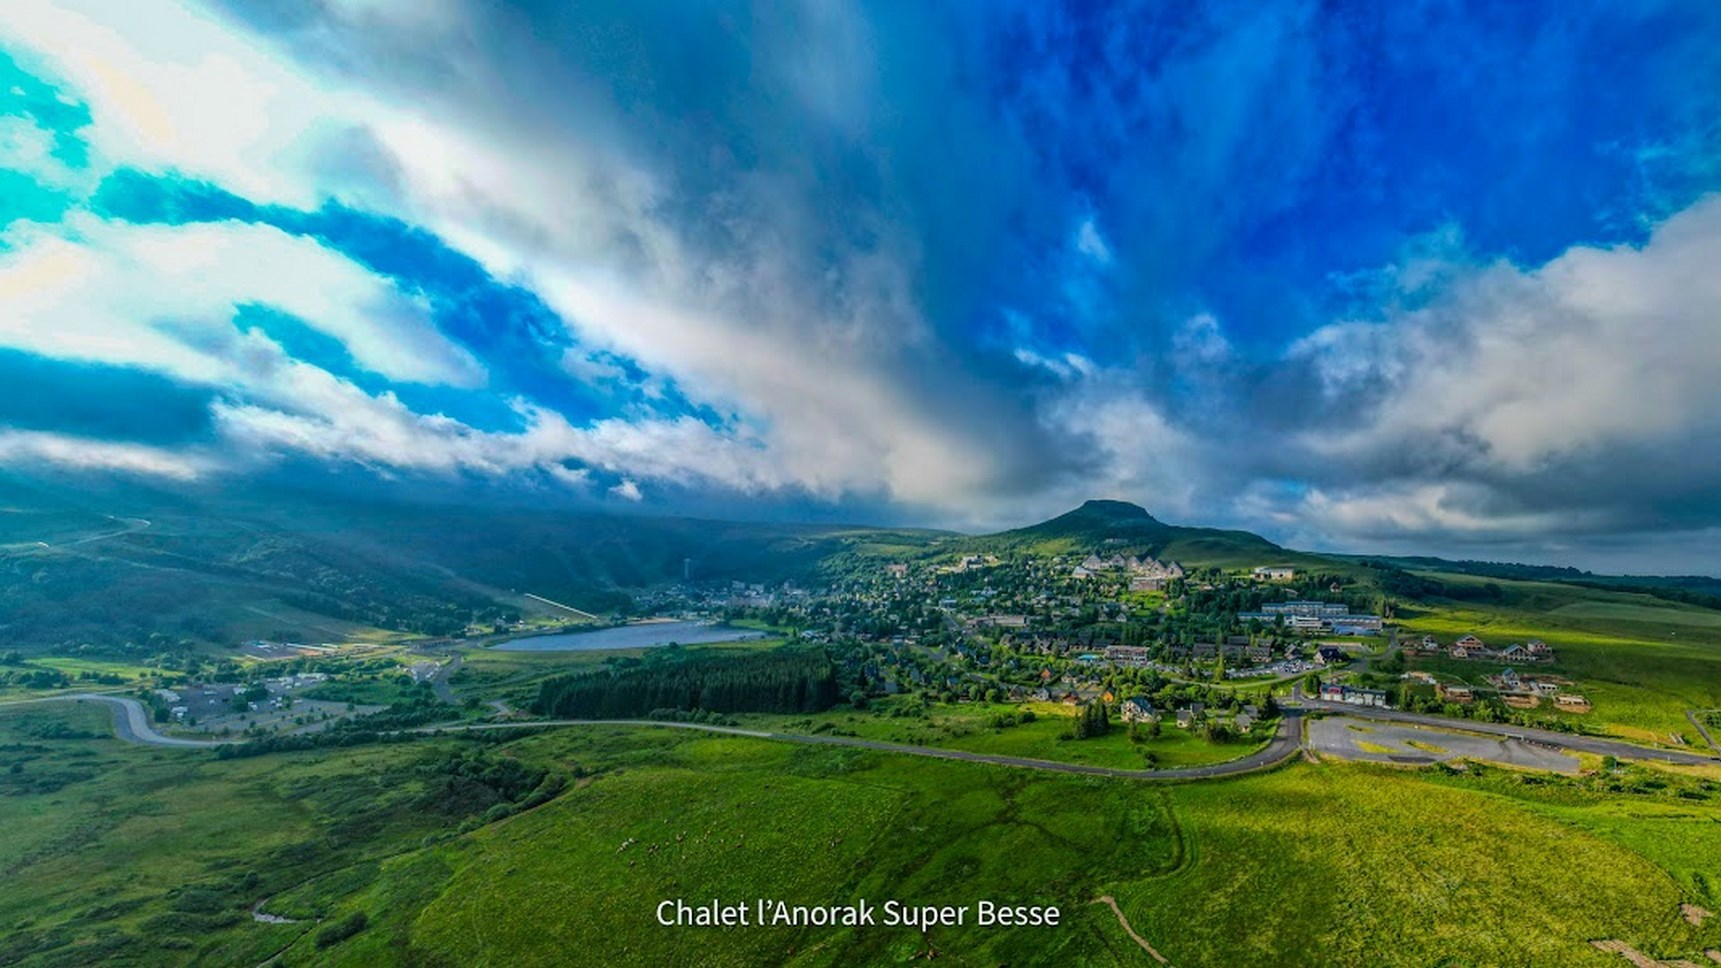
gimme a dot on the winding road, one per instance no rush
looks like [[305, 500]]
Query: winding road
[[131, 723]]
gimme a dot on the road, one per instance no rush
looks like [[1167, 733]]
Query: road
[[1583, 744], [131, 720], [131, 723], [1284, 745]]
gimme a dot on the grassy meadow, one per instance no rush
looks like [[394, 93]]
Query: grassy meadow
[[116, 852]]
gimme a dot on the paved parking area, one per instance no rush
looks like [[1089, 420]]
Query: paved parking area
[[1355, 739]]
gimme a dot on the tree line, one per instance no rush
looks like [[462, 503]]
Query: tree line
[[780, 681]]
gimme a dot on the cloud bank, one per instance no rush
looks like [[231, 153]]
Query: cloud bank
[[953, 267]]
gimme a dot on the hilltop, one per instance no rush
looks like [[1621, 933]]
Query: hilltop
[[1129, 528]]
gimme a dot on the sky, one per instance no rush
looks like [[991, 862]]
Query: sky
[[1400, 278]]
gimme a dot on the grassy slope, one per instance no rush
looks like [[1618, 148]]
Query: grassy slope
[[1329, 864], [1643, 662]]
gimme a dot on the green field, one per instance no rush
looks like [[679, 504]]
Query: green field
[[156, 857], [1643, 662], [965, 727]]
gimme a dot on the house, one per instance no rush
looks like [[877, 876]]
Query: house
[[1206, 650], [1430, 644], [1252, 711], [1244, 721], [1196, 709], [898, 571], [1571, 702], [1041, 695], [1259, 654], [1275, 573], [1071, 699], [1107, 697], [1331, 655], [1539, 651], [1185, 718], [1515, 653], [1468, 647], [1136, 710], [1456, 693]]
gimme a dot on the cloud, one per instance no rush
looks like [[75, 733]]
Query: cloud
[[1578, 395], [164, 298], [30, 449], [1235, 285]]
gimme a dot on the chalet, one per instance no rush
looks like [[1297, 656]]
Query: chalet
[[1274, 573], [1430, 644], [1515, 653], [1330, 655], [1244, 721], [1041, 695], [1135, 710], [1456, 693], [1185, 718], [1468, 647], [898, 571], [1539, 651], [1196, 709], [1179, 652], [1259, 653], [1571, 702], [1070, 699], [1252, 711], [1206, 650], [1232, 651]]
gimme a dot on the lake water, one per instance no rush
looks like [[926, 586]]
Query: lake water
[[644, 636]]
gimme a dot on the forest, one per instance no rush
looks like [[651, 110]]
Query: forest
[[779, 681]]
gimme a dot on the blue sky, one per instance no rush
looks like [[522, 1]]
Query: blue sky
[[1428, 277]]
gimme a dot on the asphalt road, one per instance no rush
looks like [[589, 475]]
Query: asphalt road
[[1583, 744], [131, 723], [1283, 746]]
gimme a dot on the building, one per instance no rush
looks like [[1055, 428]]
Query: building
[[1330, 655], [1275, 573], [1460, 694], [1571, 702], [1136, 710], [1130, 655], [1331, 692]]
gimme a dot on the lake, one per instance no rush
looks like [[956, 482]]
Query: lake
[[643, 636]]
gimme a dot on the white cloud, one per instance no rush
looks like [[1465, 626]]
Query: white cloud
[[627, 490], [1091, 243], [164, 298], [1517, 372], [29, 449]]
